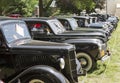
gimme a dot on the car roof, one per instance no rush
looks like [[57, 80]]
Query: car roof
[[84, 17], [10, 21], [44, 19]]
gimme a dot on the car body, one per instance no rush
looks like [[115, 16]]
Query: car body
[[106, 26], [25, 60], [49, 29], [113, 20], [106, 18], [73, 26]]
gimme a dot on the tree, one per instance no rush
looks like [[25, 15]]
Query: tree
[[4, 6], [100, 4], [88, 5], [23, 7], [75, 6], [44, 6]]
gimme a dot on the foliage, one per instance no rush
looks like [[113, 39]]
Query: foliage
[[23, 7], [47, 10], [4, 5], [26, 7], [100, 4], [75, 6]]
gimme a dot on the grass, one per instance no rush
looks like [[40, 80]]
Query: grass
[[108, 71]]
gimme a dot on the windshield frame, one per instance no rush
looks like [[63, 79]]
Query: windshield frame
[[56, 26], [73, 23]]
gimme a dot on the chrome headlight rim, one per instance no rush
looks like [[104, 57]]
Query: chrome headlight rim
[[102, 51], [61, 63]]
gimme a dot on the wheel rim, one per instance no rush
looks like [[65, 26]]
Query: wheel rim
[[36, 81], [85, 61]]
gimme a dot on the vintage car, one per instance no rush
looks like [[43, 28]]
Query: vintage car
[[83, 21], [113, 20], [24, 60], [100, 17], [106, 26], [88, 49], [106, 18], [71, 24]]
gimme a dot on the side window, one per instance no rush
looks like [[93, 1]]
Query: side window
[[65, 24], [46, 28], [42, 28], [36, 27], [81, 22]]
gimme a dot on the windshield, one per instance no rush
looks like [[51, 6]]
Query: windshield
[[15, 31], [111, 18], [57, 27], [73, 24]]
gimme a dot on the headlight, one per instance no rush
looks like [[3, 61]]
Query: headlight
[[61, 63], [102, 53], [100, 46]]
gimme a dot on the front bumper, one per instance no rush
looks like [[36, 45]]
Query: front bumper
[[107, 56], [80, 70]]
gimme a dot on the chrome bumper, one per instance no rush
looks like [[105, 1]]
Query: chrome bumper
[[107, 56]]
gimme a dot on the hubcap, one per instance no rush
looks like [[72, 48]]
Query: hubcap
[[36, 81], [83, 61]]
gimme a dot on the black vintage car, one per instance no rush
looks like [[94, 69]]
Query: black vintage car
[[71, 24], [106, 26], [88, 49], [83, 21], [106, 18], [24, 60], [113, 20]]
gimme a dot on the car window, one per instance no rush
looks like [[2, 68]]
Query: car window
[[41, 27], [57, 26], [15, 31], [73, 23]]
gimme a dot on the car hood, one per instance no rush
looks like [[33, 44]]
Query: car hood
[[82, 33], [37, 45], [92, 30], [89, 29]]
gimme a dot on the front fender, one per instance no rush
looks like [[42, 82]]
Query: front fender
[[41, 68], [90, 46], [85, 41]]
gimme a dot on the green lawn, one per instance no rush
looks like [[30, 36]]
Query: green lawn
[[108, 71]]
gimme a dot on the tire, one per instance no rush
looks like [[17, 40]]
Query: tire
[[86, 61], [40, 77]]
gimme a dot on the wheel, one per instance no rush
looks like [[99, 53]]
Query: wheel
[[86, 61], [40, 77]]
